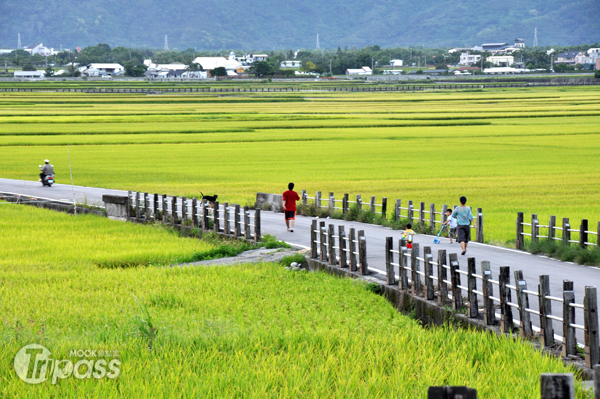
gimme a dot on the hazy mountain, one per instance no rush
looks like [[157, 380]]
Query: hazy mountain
[[223, 24]]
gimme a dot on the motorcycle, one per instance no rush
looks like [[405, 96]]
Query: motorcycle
[[47, 180]]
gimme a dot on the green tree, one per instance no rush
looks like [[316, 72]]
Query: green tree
[[49, 72], [262, 68], [597, 74], [73, 71], [29, 67], [220, 71], [131, 69], [308, 66], [194, 67]]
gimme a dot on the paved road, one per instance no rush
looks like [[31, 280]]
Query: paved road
[[273, 223]]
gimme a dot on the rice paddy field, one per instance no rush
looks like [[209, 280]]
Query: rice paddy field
[[533, 150], [250, 331]]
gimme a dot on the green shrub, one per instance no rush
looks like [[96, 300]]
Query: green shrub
[[288, 260]]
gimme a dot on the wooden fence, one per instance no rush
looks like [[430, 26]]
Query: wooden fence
[[221, 218], [442, 280], [423, 216], [378, 88], [584, 235]]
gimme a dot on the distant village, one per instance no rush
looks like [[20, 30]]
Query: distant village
[[500, 61]]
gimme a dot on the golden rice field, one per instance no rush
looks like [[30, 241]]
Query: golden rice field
[[250, 331], [533, 150]]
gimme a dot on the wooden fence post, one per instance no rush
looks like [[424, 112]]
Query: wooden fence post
[[345, 204], [472, 287], [506, 319], [489, 315], [146, 207], [331, 241], [165, 209], [389, 256], [432, 216], [156, 210], [359, 202], [226, 218], [422, 214], [353, 262], [257, 221], [414, 267], [398, 211], [545, 305], [442, 277], [304, 198], [457, 302], [318, 200], [583, 233], [342, 240], [247, 231], [194, 212], [598, 235], [384, 207], [323, 242], [410, 211], [479, 232], [184, 213], [372, 204], [443, 217], [557, 386], [523, 302], [428, 272], [362, 253], [236, 221], [331, 202], [534, 229], [216, 215], [590, 315], [402, 268], [570, 342], [520, 243], [138, 213], [551, 226], [313, 239], [566, 232], [205, 223], [174, 217]]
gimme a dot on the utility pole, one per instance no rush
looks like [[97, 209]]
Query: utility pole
[[166, 43], [330, 67]]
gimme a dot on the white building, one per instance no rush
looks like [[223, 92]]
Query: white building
[[519, 43], [290, 64], [29, 74], [396, 63], [41, 50], [103, 69], [209, 63], [501, 60], [364, 71], [593, 54], [467, 59]]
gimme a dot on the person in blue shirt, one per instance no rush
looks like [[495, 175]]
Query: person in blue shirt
[[464, 217]]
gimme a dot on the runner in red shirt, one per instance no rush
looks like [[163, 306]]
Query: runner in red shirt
[[289, 206]]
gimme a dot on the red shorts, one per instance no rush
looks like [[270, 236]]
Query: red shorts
[[290, 215]]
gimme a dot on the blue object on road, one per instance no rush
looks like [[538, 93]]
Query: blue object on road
[[436, 240]]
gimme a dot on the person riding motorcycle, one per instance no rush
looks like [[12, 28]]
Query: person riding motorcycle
[[47, 169]]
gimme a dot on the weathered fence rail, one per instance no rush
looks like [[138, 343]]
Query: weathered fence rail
[[423, 215], [478, 295], [585, 236], [233, 219]]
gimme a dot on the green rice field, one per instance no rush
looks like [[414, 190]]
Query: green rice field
[[249, 331], [532, 149]]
